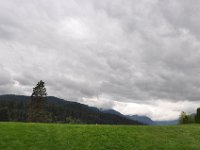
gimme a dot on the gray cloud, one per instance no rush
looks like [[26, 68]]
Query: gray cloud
[[127, 51]]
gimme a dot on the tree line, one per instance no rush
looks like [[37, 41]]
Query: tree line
[[185, 118]]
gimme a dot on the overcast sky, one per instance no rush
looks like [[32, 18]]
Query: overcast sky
[[138, 57]]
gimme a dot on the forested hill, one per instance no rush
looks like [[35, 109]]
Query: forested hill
[[15, 108]]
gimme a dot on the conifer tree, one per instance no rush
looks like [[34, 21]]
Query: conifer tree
[[38, 111], [197, 117]]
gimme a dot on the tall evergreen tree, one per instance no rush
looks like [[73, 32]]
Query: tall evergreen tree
[[197, 117], [38, 111]]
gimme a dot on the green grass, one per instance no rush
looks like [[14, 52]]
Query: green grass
[[30, 136]]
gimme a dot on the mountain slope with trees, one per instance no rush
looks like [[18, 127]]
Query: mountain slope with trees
[[16, 107], [143, 119]]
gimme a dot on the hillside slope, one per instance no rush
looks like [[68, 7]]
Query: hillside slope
[[143, 119], [61, 111]]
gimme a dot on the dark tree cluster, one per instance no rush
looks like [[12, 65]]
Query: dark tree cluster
[[189, 118], [186, 118], [197, 117]]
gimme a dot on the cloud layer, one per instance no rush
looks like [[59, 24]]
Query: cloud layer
[[104, 53]]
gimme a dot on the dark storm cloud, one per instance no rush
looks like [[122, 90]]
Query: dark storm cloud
[[127, 51]]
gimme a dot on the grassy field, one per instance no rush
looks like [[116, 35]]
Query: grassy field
[[29, 136]]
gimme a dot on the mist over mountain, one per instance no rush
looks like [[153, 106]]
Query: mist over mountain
[[143, 119]]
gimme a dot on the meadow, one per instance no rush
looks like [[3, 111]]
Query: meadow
[[37, 136]]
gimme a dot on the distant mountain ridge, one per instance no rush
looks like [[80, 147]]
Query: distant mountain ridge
[[112, 111], [170, 122], [143, 119], [16, 108], [61, 109]]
